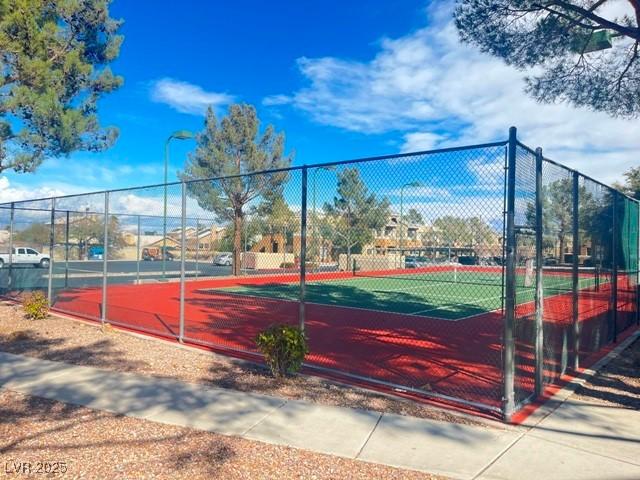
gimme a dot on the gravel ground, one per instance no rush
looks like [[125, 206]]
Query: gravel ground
[[618, 383], [99, 445], [75, 342]]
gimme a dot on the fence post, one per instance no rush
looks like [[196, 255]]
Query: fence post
[[11, 220], [197, 244], [183, 253], [303, 249], [539, 304], [105, 255], [51, 243], [510, 291], [574, 274], [66, 251], [138, 254], [614, 260]]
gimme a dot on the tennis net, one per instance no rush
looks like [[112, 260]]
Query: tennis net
[[438, 273]]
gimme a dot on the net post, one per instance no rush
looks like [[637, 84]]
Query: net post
[[105, 256], [614, 261], [138, 253], [508, 406], [303, 250], [539, 296], [183, 251], [66, 251], [52, 235], [574, 272]]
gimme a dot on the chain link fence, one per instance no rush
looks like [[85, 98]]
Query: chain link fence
[[475, 276]]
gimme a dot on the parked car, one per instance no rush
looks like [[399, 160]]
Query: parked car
[[25, 256], [411, 262], [95, 252], [498, 260], [487, 262], [155, 253], [467, 260], [549, 261], [224, 259]]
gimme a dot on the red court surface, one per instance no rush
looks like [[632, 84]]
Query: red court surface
[[457, 362]]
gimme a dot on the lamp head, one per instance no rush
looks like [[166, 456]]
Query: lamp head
[[182, 134]]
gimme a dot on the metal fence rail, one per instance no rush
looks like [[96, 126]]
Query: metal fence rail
[[477, 276]]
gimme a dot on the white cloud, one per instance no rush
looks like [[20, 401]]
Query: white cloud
[[486, 207], [186, 97], [416, 141], [427, 81], [17, 193], [274, 100], [126, 205]]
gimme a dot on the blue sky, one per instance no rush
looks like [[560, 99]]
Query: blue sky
[[342, 79]]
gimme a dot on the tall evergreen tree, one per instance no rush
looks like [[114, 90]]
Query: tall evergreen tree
[[355, 214], [54, 56], [233, 148], [413, 217]]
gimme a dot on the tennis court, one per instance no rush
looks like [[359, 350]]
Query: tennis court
[[447, 293], [371, 328], [415, 273]]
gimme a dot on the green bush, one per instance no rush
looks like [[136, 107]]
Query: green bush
[[36, 306], [284, 348], [287, 265]]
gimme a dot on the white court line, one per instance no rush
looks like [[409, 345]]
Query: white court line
[[425, 284], [409, 291], [440, 308], [330, 305], [430, 295]]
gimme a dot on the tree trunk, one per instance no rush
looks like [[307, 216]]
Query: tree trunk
[[561, 259], [237, 241]]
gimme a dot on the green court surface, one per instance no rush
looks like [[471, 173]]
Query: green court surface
[[444, 295]]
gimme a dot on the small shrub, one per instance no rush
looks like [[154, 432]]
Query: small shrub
[[36, 306], [287, 265], [284, 348]]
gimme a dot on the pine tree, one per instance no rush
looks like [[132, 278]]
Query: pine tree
[[233, 147], [54, 57]]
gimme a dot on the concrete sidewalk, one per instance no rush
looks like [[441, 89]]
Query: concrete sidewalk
[[577, 441]]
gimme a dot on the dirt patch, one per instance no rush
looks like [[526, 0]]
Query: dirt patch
[[93, 444], [618, 383]]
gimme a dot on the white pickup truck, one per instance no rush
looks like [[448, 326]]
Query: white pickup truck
[[25, 256]]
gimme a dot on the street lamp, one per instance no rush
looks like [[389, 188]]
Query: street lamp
[[178, 135], [593, 41], [410, 185], [315, 216]]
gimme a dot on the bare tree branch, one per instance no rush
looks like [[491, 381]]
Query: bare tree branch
[[603, 22], [633, 58]]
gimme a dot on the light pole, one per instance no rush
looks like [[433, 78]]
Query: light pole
[[410, 185], [315, 215], [179, 135]]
